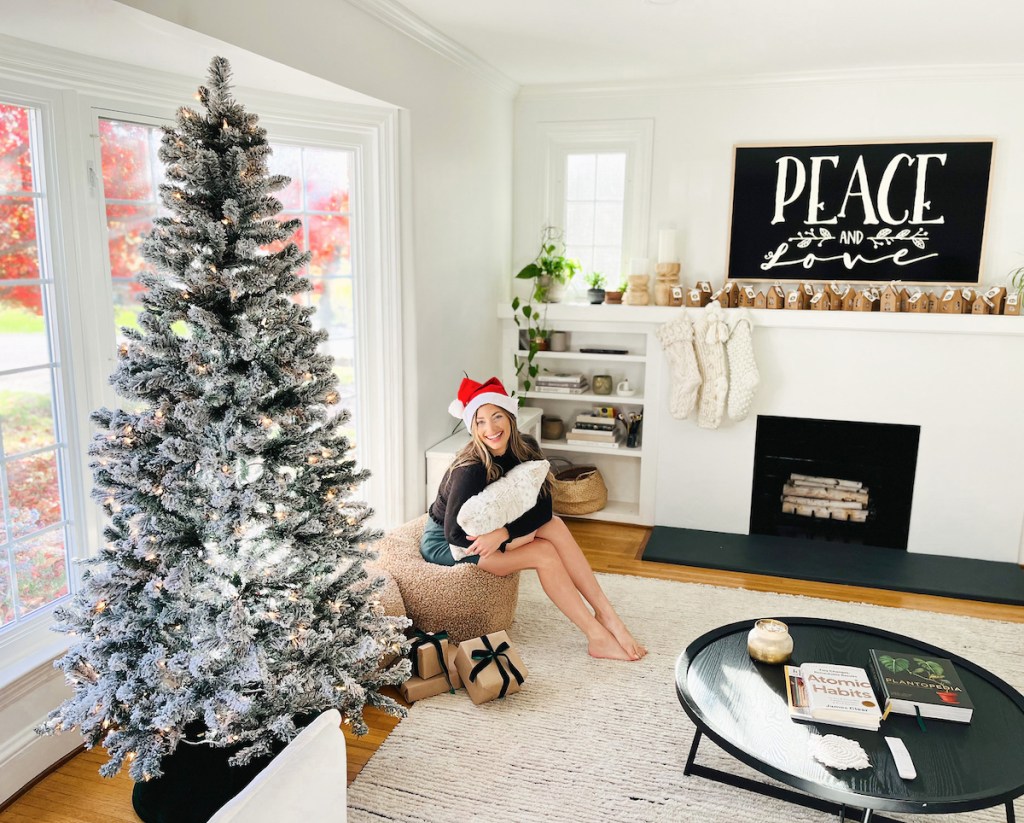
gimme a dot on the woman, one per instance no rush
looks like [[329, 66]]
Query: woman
[[536, 540]]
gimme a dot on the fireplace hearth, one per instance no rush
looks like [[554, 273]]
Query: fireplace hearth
[[834, 480]]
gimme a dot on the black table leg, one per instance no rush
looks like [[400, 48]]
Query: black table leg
[[867, 816], [1010, 816], [842, 814], [693, 752]]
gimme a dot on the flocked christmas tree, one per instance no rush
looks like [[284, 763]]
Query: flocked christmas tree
[[230, 595]]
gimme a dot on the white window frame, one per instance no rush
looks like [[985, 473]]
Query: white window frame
[[635, 138], [72, 92], [28, 643]]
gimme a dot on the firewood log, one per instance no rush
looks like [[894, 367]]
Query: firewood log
[[825, 493], [810, 501]]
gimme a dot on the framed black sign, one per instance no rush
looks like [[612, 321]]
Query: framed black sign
[[864, 212]]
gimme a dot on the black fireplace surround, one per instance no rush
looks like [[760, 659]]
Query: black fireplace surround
[[882, 456]]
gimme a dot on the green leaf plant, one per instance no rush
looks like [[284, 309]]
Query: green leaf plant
[[1017, 281], [550, 266], [922, 668]]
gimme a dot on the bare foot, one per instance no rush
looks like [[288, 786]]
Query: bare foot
[[606, 647], [619, 631]]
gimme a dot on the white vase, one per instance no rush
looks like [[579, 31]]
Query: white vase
[[554, 290]]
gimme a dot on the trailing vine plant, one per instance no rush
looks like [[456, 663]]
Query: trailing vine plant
[[549, 267]]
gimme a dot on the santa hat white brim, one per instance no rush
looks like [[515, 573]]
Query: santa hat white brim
[[503, 401]]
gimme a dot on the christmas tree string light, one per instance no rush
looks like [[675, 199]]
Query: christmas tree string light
[[230, 594]]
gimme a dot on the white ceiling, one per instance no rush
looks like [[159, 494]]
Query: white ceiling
[[630, 41]]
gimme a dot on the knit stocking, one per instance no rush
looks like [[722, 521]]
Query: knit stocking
[[709, 335], [676, 338], [743, 375]]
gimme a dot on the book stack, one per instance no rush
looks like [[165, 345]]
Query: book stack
[[561, 383], [592, 430], [830, 693], [919, 684]]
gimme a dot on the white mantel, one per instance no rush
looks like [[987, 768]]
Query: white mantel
[[960, 378]]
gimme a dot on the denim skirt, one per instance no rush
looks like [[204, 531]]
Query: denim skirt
[[434, 546]]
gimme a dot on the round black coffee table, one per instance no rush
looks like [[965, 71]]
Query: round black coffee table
[[741, 705]]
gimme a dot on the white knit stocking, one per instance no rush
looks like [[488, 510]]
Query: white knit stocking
[[709, 335], [676, 338], [743, 374]]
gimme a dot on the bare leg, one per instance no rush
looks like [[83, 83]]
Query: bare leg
[[557, 533], [558, 585]]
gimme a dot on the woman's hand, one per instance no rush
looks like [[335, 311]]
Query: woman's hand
[[485, 545]]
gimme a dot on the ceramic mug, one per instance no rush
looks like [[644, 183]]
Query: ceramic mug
[[624, 390], [559, 341], [601, 384]]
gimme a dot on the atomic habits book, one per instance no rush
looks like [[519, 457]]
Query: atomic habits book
[[921, 684], [831, 693]]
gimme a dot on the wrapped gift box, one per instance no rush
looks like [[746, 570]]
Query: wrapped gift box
[[418, 688], [490, 667], [426, 652]]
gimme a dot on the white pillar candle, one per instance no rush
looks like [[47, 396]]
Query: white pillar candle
[[638, 265], [667, 246]]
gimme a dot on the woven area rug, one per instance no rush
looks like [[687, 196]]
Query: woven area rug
[[588, 740]]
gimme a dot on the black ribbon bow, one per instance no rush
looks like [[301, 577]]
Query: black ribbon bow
[[490, 654], [428, 639]]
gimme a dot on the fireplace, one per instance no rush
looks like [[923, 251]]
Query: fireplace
[[834, 480]]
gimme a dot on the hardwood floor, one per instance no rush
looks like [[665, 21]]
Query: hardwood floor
[[75, 793]]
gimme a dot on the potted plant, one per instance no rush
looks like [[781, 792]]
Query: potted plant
[[595, 294], [615, 296], [550, 271], [1017, 281]]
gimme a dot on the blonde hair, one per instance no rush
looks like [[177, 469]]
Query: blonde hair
[[476, 451]]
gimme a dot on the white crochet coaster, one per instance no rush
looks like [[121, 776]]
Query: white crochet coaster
[[839, 752]]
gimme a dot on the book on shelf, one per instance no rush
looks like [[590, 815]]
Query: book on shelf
[[832, 693], [595, 427], [596, 436], [596, 420], [920, 683], [596, 444], [559, 389], [571, 379]]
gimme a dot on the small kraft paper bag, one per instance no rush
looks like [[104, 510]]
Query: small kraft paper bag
[[419, 688], [490, 667]]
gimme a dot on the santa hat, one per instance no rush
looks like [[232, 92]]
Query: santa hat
[[473, 395]]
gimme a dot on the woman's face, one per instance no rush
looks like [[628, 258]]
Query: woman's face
[[493, 426]]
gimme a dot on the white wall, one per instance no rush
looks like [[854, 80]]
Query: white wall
[[456, 184], [696, 128], [965, 391]]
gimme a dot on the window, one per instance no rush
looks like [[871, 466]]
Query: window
[[595, 190], [319, 195], [33, 448], [598, 191]]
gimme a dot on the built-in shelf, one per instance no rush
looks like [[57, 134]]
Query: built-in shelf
[[579, 355], [613, 399], [614, 511], [595, 448]]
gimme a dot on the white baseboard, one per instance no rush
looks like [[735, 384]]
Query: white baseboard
[[26, 757]]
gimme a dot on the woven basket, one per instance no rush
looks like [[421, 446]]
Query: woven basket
[[578, 490]]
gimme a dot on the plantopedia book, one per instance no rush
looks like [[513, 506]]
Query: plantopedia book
[[915, 684], [830, 693]]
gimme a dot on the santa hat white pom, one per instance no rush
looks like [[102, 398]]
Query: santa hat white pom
[[473, 395]]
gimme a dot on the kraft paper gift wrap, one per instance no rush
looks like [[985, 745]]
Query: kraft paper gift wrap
[[490, 667], [418, 688], [426, 651]]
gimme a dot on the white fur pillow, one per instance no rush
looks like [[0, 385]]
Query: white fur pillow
[[504, 500]]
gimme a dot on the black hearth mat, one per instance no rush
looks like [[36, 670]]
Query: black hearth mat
[[848, 565]]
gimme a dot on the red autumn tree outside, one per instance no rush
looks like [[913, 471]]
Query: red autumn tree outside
[[131, 174]]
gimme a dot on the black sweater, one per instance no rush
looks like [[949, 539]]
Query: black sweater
[[458, 485]]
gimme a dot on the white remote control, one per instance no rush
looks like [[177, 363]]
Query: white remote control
[[904, 765]]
